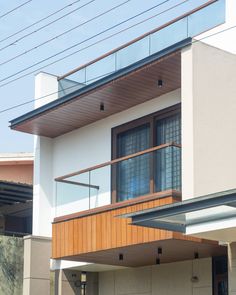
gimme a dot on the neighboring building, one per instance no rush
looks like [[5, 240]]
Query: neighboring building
[[149, 125], [16, 193]]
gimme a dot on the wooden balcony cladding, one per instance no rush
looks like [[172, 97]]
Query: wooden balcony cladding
[[100, 229]]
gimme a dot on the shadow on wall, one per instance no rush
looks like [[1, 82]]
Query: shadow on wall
[[11, 265]]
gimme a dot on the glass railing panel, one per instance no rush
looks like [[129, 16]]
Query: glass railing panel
[[206, 18], [100, 187], [188, 26], [123, 179], [72, 83], [100, 69], [169, 35], [167, 169], [72, 194], [132, 53], [132, 177]]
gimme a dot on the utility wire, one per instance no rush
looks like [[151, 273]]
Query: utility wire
[[81, 42], [14, 9], [41, 97], [68, 31], [59, 91], [44, 26], [39, 21]]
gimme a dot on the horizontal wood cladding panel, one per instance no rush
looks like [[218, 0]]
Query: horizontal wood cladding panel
[[104, 230]]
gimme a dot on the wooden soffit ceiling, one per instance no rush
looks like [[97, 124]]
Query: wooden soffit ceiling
[[117, 95], [173, 250]]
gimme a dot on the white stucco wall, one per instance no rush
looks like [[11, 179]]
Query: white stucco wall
[[208, 105], [168, 279], [43, 188], [209, 122]]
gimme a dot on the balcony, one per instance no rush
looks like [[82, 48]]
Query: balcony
[[95, 198], [182, 27], [143, 174]]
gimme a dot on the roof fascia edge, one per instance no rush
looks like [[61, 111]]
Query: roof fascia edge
[[118, 74], [183, 207]]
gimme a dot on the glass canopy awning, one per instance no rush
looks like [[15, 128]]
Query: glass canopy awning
[[178, 216]]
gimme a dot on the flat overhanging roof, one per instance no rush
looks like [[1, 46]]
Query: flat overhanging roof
[[124, 77], [178, 216], [123, 89]]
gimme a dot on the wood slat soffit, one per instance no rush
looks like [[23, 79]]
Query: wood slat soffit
[[117, 95]]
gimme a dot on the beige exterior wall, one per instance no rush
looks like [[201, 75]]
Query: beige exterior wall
[[168, 279], [37, 252], [17, 173], [209, 121]]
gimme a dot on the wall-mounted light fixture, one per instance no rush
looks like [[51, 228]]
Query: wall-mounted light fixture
[[121, 256], [159, 250], [160, 83], [102, 107], [194, 279]]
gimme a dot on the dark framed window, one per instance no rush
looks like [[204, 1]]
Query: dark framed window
[[151, 172]]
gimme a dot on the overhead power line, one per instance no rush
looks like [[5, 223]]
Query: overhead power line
[[68, 31], [52, 93], [39, 21], [59, 91], [85, 40], [14, 9], [44, 26]]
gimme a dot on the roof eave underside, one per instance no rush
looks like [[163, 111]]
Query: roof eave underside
[[30, 117]]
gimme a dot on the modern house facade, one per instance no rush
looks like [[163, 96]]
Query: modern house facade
[[146, 127]]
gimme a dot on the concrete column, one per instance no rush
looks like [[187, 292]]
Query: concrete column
[[37, 252], [232, 268]]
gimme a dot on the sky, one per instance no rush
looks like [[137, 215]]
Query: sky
[[22, 90]]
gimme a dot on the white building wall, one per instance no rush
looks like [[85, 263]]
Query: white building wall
[[43, 180], [159, 279], [208, 104], [210, 123], [214, 86]]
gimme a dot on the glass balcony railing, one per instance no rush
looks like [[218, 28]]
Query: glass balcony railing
[[189, 25], [150, 171]]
